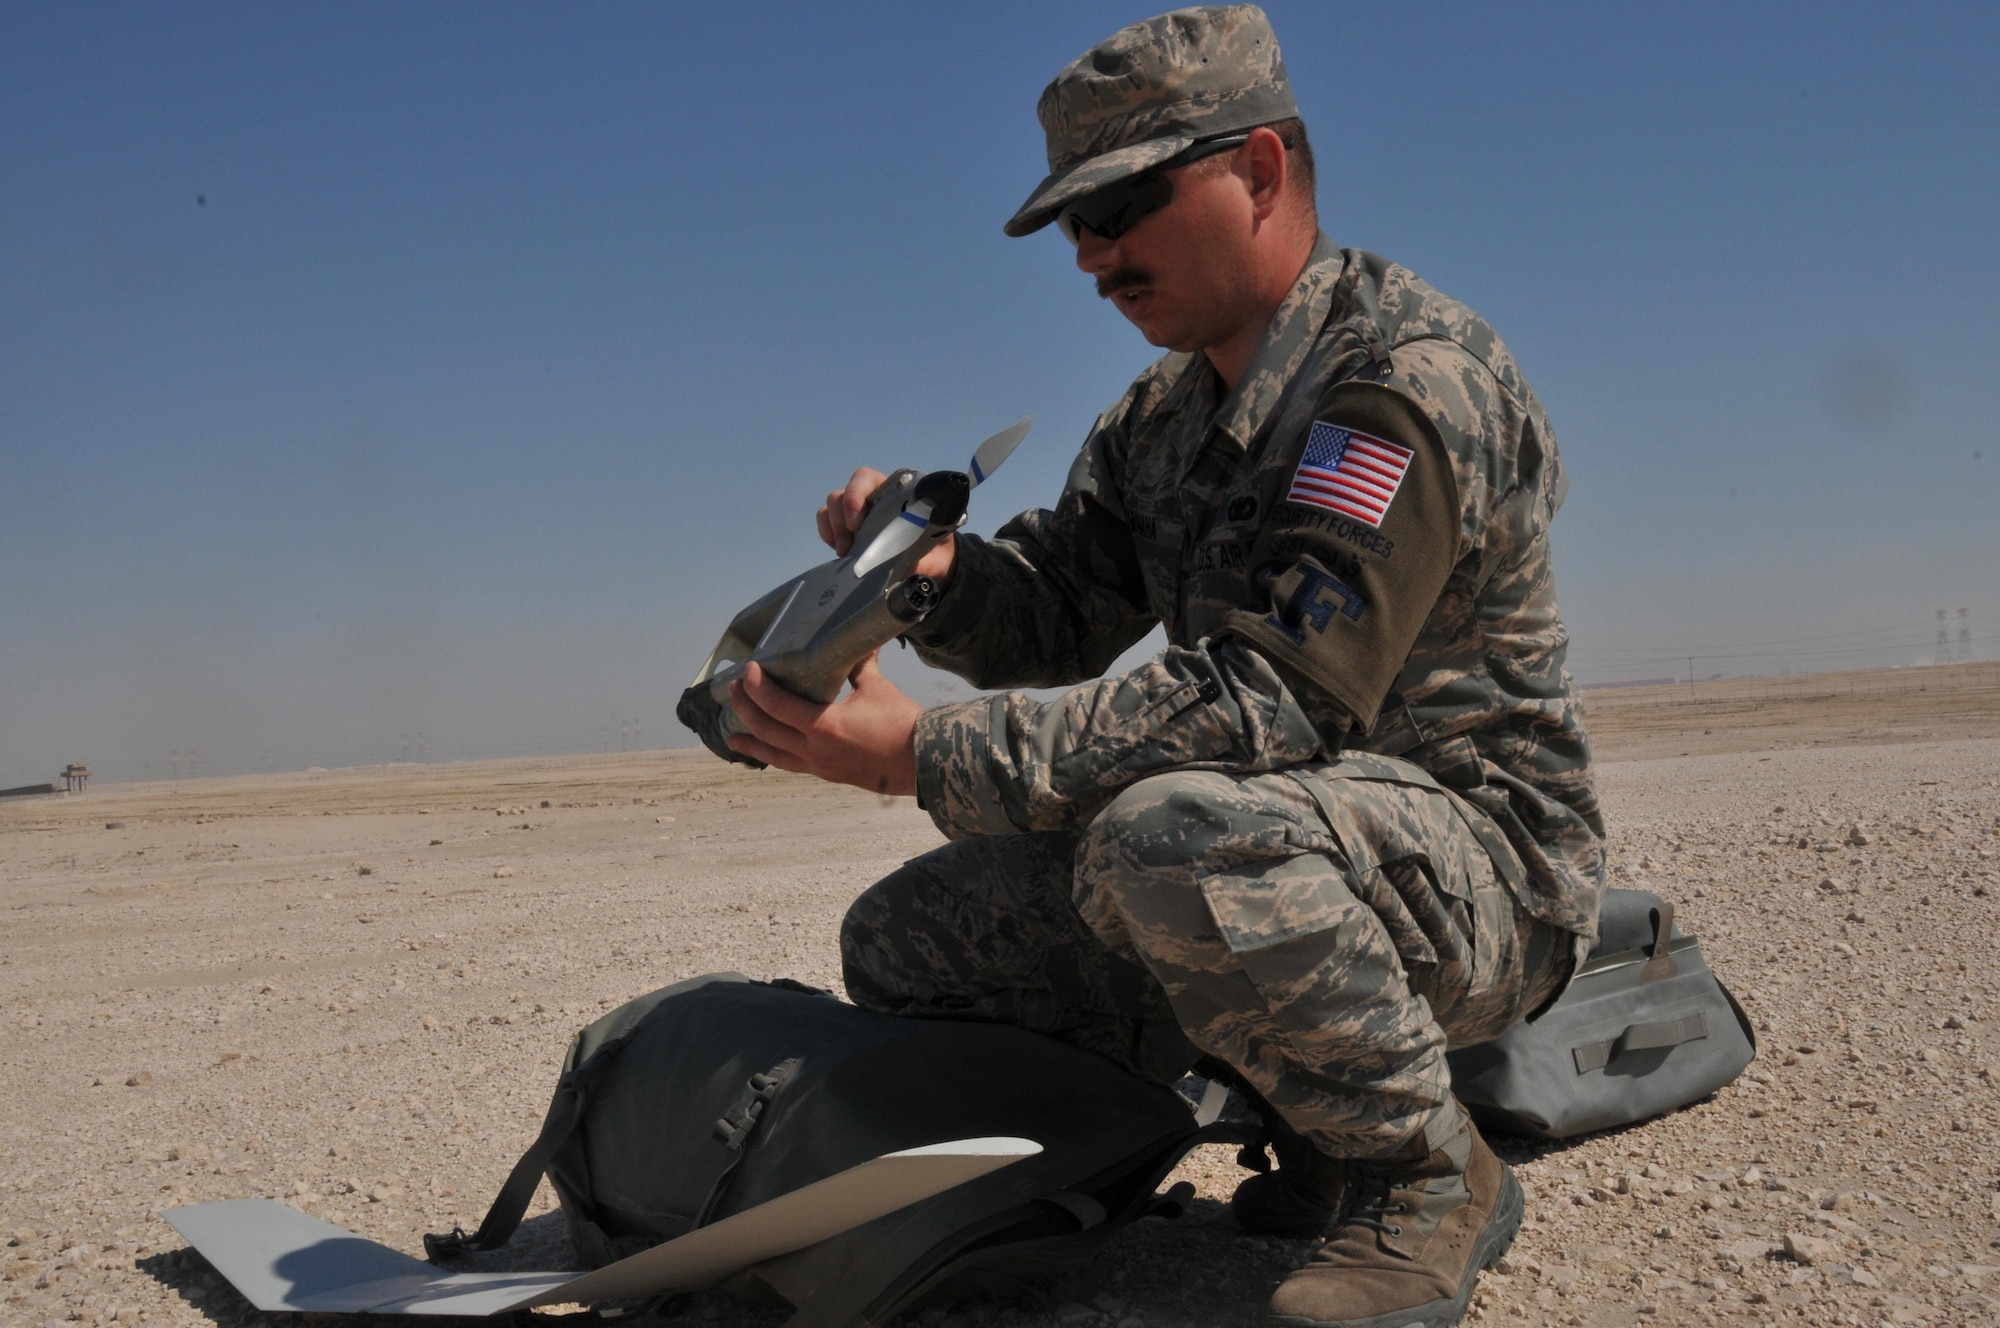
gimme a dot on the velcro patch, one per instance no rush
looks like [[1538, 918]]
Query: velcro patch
[[1349, 472]]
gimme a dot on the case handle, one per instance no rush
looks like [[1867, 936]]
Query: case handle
[[1640, 1037]]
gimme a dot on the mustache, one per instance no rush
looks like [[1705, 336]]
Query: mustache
[[1121, 279]]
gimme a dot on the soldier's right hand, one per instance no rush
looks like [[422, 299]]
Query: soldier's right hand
[[843, 513]]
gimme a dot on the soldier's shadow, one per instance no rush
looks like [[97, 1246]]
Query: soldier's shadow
[[1200, 1267]]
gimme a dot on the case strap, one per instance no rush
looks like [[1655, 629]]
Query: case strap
[[565, 1111], [1640, 1037], [1659, 963]]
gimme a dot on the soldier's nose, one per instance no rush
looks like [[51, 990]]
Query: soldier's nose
[[1094, 253]]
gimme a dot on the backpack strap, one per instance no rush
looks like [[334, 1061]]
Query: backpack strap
[[565, 1112]]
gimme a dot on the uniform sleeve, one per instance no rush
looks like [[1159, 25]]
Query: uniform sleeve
[[1054, 596], [1350, 566], [1009, 763], [1352, 561]]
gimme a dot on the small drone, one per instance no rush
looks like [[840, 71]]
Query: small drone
[[812, 631]]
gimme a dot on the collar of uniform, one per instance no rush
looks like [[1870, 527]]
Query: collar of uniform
[[1293, 329]]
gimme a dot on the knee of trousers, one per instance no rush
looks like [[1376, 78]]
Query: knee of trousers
[[875, 907], [1141, 862]]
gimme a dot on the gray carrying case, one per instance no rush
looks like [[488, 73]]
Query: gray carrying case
[[1643, 1029]]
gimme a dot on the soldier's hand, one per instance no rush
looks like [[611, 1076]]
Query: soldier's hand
[[866, 738], [843, 513]]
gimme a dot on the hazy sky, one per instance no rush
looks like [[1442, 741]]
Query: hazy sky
[[369, 372]]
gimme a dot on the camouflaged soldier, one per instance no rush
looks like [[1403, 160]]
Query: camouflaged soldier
[[1345, 819]]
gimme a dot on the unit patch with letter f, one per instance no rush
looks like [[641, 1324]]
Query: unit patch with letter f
[[1314, 601]]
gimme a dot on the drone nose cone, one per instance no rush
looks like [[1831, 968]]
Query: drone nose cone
[[947, 492]]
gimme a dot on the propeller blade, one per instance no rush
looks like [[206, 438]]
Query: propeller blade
[[900, 535], [997, 449], [903, 532]]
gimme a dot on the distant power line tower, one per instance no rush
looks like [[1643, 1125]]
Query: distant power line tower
[[1964, 636], [1943, 641]]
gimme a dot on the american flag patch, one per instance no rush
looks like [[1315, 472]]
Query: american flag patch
[[1351, 473]]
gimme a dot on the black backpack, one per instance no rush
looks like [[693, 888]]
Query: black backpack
[[707, 1098]]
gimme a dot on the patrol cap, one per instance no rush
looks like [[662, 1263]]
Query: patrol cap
[[1148, 92]]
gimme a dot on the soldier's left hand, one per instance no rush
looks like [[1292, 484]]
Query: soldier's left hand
[[865, 738]]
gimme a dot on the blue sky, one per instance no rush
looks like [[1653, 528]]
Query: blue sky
[[509, 348]]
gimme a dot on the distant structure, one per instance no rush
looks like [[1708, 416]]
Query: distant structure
[[1943, 641], [75, 779], [1964, 636]]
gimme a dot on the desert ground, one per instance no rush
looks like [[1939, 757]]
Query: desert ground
[[350, 990]]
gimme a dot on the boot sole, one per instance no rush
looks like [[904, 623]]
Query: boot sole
[[1494, 1240]]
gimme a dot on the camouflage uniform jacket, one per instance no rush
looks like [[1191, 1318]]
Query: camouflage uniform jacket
[[1304, 613]]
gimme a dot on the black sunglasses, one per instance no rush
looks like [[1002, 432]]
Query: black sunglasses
[[1116, 208]]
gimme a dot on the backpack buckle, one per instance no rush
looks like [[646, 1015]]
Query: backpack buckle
[[733, 1129]]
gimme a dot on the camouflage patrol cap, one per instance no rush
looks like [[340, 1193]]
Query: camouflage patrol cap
[[1147, 92]]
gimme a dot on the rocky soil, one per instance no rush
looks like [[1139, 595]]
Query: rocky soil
[[350, 991]]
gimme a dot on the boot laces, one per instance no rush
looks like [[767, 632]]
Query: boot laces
[[1373, 1204]]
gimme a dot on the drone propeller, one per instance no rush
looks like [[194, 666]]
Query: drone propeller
[[916, 518]]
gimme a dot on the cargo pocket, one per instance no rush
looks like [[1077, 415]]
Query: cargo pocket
[[1415, 862], [1322, 961]]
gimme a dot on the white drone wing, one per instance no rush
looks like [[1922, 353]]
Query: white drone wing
[[283, 1259]]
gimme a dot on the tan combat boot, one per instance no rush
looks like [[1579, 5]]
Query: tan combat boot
[[1411, 1241]]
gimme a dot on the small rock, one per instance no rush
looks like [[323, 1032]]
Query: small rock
[[139, 1080], [1751, 1178], [502, 873], [114, 825], [1954, 1021], [1858, 837], [364, 871], [436, 842], [1810, 1250]]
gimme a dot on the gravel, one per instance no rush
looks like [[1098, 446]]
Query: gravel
[[350, 992]]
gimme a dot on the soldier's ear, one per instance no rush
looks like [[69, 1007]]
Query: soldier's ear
[[1262, 164]]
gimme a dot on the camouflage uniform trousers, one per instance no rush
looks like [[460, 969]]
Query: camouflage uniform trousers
[[1326, 930]]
